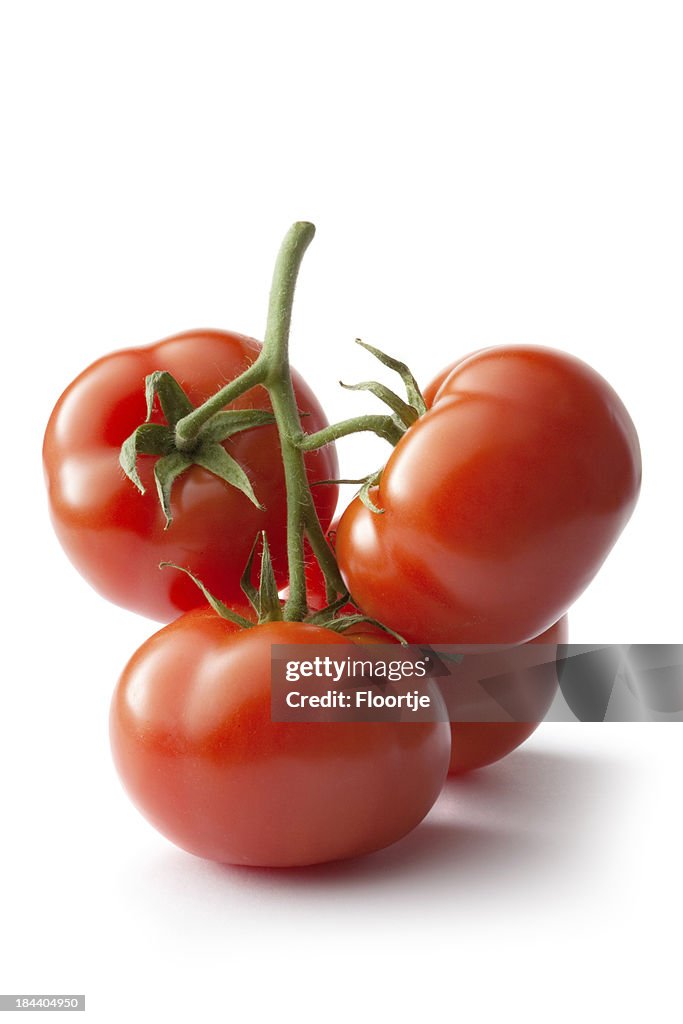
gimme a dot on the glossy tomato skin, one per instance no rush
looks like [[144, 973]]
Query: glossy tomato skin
[[198, 753], [431, 392], [478, 744], [501, 502], [114, 535], [474, 744]]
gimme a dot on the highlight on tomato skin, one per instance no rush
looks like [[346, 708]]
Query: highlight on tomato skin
[[116, 537], [197, 751], [500, 503]]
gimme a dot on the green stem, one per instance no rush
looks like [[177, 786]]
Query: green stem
[[188, 427], [301, 513], [383, 426], [285, 273], [272, 370], [325, 556], [281, 390]]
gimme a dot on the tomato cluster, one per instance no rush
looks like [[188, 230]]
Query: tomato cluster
[[512, 475]]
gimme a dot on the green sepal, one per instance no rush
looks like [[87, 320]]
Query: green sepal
[[265, 601], [345, 622], [327, 613], [342, 480], [147, 439], [217, 605], [159, 439], [231, 421], [270, 609], [406, 414], [215, 458], [166, 472], [364, 493], [173, 401], [413, 392], [247, 587]]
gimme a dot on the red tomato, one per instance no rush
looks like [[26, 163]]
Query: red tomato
[[501, 502], [114, 535], [197, 751], [476, 744]]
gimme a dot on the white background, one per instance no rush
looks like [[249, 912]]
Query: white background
[[479, 173]]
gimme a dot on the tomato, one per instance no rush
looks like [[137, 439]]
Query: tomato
[[114, 535], [476, 744], [500, 503], [197, 751]]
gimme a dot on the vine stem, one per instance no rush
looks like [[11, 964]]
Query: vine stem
[[383, 426], [279, 383], [272, 370], [188, 427]]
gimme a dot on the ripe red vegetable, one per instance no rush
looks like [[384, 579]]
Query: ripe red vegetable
[[474, 744], [500, 503], [477, 744], [197, 751], [114, 535]]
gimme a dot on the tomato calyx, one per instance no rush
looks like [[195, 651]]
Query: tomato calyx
[[264, 599], [267, 606], [206, 450], [390, 427], [218, 606], [413, 392], [404, 415], [349, 622]]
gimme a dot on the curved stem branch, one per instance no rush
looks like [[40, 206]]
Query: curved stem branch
[[383, 426], [189, 426], [276, 341]]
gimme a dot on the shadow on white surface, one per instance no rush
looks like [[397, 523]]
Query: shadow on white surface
[[533, 807], [535, 827]]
